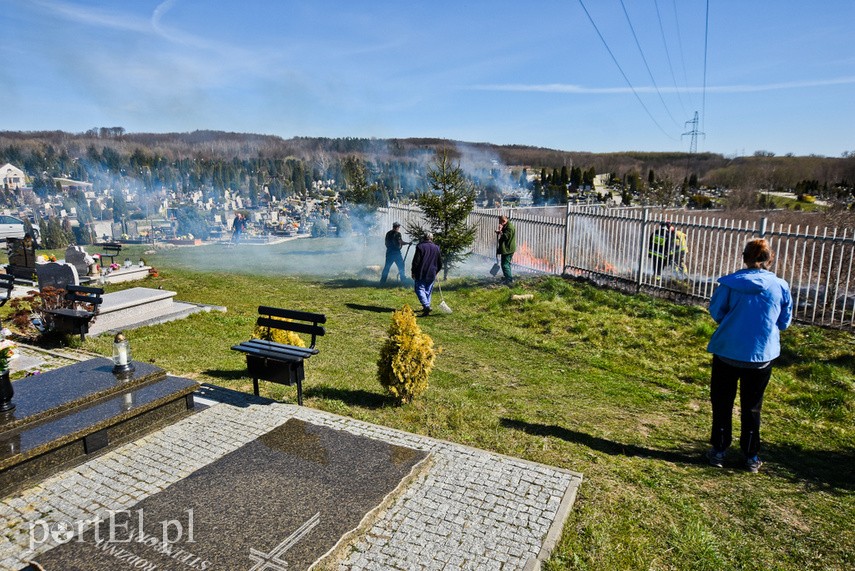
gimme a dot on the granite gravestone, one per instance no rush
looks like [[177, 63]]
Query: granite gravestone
[[56, 274], [77, 257], [116, 230], [288, 499], [22, 257]]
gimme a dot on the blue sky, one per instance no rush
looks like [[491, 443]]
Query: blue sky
[[780, 75]]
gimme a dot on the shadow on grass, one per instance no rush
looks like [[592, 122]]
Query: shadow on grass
[[830, 469], [347, 283], [350, 397], [603, 445], [235, 375], [372, 308]]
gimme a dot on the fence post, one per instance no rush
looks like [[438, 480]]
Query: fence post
[[763, 226], [566, 237], [641, 241]]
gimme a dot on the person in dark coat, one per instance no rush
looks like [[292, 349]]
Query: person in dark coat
[[427, 261], [394, 243], [507, 245], [237, 227]]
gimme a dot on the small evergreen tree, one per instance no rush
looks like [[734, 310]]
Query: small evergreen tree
[[446, 208], [406, 358]]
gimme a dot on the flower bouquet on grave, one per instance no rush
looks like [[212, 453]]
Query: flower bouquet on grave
[[7, 353]]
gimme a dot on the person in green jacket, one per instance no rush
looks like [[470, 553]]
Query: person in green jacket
[[507, 236]]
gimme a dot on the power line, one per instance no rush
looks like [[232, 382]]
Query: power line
[[668, 55], [646, 65], [628, 82], [704, 92], [680, 44]]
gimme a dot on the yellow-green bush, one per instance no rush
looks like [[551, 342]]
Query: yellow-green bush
[[406, 358], [278, 335]]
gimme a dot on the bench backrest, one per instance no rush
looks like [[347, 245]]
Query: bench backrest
[[84, 294], [110, 249], [7, 282], [300, 321]]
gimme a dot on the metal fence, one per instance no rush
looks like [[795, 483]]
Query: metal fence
[[610, 246]]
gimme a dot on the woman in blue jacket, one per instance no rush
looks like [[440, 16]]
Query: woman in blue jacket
[[751, 306]]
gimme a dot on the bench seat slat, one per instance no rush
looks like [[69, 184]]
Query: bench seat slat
[[75, 313], [268, 356], [275, 349], [275, 345]]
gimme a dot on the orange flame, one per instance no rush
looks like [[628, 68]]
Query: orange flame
[[525, 257], [604, 267]]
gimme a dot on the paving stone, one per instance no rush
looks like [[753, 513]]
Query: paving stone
[[500, 508]]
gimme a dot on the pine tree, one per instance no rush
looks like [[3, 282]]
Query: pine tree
[[446, 208]]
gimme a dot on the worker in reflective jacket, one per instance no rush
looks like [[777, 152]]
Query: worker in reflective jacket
[[660, 248]]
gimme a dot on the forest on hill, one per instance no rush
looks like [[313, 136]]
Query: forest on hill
[[216, 161]]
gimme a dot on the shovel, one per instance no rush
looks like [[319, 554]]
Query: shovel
[[402, 278], [496, 267]]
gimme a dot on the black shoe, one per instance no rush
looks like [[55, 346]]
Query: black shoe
[[715, 457], [426, 311]]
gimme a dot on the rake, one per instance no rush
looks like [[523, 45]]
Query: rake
[[442, 305]]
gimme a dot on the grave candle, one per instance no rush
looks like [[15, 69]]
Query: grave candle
[[123, 354]]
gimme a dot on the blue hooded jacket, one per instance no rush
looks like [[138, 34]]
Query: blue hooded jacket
[[751, 307]]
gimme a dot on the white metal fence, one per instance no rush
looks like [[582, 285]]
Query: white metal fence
[[610, 246]]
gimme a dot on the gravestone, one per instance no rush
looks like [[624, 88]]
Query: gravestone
[[289, 500], [56, 274], [22, 257], [77, 257], [116, 230], [133, 230]]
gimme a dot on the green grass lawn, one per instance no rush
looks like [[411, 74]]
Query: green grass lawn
[[594, 381]]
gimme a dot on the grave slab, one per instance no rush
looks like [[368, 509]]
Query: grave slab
[[285, 500], [139, 306]]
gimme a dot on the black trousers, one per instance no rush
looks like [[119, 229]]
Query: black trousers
[[393, 257], [752, 384]]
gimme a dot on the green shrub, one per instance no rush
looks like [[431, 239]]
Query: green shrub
[[278, 335], [406, 358]]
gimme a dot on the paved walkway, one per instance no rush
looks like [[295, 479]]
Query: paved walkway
[[471, 510]]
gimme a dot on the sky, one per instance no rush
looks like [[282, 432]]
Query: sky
[[574, 75]]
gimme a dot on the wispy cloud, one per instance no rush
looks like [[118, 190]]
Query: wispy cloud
[[582, 90], [93, 16]]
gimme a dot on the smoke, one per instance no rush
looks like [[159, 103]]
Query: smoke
[[354, 257], [485, 167]]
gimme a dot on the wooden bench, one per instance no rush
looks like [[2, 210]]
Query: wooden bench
[[109, 250], [77, 316], [7, 284], [277, 362]]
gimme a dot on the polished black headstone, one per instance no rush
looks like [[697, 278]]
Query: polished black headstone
[[283, 501], [59, 390]]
